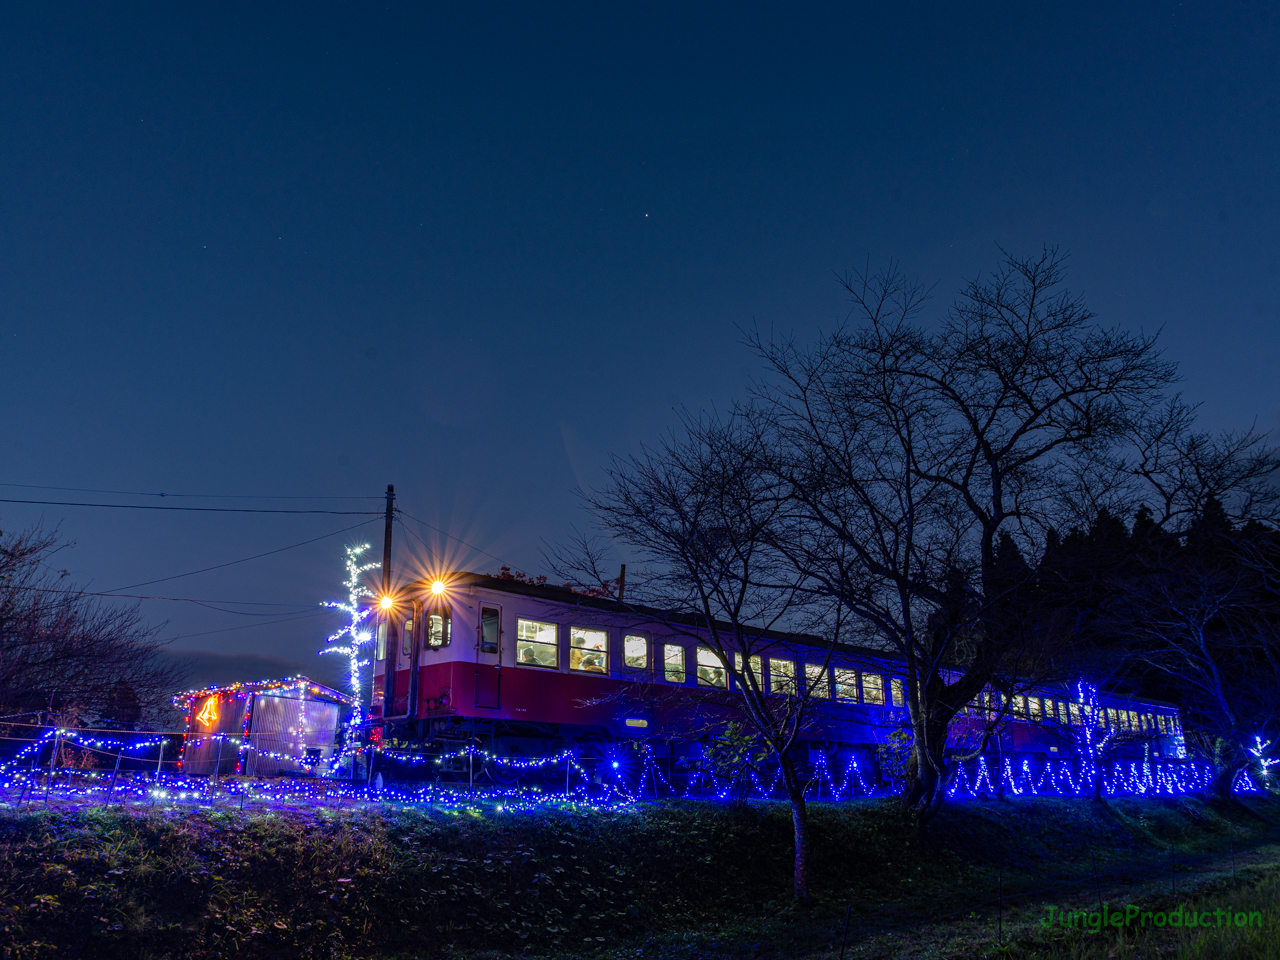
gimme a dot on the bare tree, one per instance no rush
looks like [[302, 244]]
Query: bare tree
[[1181, 468], [1204, 620], [700, 513], [66, 653], [907, 453]]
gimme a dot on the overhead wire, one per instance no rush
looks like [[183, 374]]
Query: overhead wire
[[246, 626], [231, 563], [150, 506], [195, 496], [36, 588], [446, 534]]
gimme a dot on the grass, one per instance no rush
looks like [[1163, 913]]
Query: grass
[[677, 881]]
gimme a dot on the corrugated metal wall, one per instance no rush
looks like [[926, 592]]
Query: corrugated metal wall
[[287, 731]]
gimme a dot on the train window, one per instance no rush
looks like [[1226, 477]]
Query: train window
[[406, 638], [782, 677], [588, 650], [872, 688], [490, 629], [536, 644], [757, 670], [673, 662], [382, 640], [816, 681], [846, 684], [899, 699], [711, 672], [1034, 704], [635, 651], [438, 627], [1074, 709]]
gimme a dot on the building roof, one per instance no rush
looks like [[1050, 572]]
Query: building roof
[[306, 685]]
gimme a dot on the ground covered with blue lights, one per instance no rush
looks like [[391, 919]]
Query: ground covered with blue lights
[[361, 877]]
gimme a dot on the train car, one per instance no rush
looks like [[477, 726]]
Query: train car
[[526, 669]]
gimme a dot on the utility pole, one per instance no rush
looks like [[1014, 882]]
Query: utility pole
[[386, 541]]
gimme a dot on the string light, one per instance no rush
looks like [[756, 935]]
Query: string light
[[349, 642], [1259, 751]]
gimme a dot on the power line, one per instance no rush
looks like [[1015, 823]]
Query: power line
[[195, 496], [147, 506], [203, 603], [231, 563], [246, 626], [443, 533]]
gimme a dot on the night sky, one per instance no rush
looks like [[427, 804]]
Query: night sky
[[311, 250]]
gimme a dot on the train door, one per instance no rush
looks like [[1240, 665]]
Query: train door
[[402, 639], [489, 657]]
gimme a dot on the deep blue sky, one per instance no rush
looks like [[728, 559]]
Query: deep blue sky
[[472, 251]]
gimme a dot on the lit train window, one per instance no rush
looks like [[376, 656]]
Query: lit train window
[[588, 650], [536, 644], [846, 684], [673, 663], [757, 670], [490, 629], [382, 640], [1034, 703], [1075, 713], [899, 698], [782, 677], [815, 678], [635, 651], [406, 638], [711, 672], [872, 688], [438, 627]]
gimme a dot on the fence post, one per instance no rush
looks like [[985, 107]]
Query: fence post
[[114, 773], [48, 785], [844, 937], [217, 764]]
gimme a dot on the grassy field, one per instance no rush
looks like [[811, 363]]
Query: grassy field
[[668, 880]]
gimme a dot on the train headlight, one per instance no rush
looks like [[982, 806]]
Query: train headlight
[[437, 587], [386, 603]]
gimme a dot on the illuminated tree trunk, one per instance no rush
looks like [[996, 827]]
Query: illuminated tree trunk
[[1228, 761], [927, 769], [1097, 782], [800, 827]]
